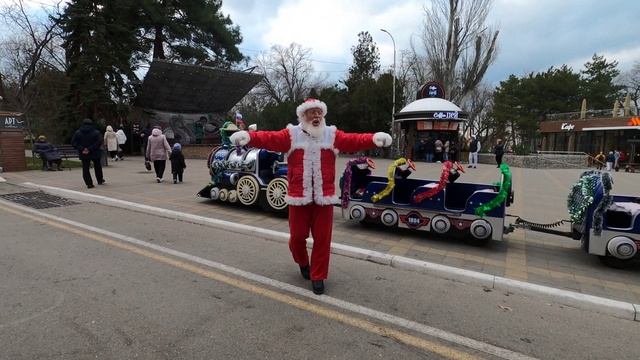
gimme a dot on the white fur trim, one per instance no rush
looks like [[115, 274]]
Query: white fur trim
[[311, 104]]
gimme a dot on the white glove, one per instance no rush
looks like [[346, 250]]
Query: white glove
[[253, 127], [241, 138], [382, 139]]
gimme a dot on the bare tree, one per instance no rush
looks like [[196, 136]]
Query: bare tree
[[480, 103], [288, 73], [458, 47], [31, 65], [631, 81], [30, 48]]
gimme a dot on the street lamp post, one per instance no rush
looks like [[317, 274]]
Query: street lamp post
[[393, 110]]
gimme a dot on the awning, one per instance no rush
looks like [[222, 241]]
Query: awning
[[611, 128]]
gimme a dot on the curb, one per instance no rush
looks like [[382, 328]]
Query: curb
[[596, 304]]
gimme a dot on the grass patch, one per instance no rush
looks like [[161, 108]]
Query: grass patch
[[36, 164]]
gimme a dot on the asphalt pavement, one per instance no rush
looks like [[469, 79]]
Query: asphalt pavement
[[534, 258]]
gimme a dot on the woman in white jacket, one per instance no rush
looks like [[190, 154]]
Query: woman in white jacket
[[111, 142], [122, 139]]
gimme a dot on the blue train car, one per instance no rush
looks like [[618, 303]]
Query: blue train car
[[247, 176], [448, 207]]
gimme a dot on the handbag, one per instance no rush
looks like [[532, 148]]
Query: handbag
[[147, 165]]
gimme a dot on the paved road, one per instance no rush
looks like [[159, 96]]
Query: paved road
[[84, 280], [528, 256]]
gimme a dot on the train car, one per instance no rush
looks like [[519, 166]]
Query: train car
[[442, 207], [249, 176], [607, 225]]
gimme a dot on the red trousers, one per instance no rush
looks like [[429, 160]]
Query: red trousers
[[318, 219]]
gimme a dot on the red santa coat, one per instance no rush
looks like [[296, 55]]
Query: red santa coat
[[311, 162]]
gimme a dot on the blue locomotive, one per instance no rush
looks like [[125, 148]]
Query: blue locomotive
[[248, 176]]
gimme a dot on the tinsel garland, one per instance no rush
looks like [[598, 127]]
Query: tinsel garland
[[581, 195], [605, 202], [348, 173], [502, 193], [391, 183], [444, 178]]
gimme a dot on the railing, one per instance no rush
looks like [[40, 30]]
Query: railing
[[588, 114]]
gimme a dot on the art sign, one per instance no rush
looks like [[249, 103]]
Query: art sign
[[11, 122]]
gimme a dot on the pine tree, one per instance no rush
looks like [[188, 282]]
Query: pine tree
[[366, 61], [193, 31], [598, 87]]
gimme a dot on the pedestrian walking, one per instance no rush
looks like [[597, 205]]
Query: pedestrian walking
[[498, 150], [122, 139], [445, 151], [157, 151], [177, 163], [438, 157], [611, 159], [616, 163], [453, 151], [429, 149], [88, 142], [600, 159], [474, 149], [111, 142]]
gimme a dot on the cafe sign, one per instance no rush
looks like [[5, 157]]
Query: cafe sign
[[567, 126], [11, 122]]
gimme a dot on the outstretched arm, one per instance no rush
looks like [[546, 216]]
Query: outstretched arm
[[352, 142], [270, 140]]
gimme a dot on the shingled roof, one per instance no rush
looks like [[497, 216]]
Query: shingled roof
[[193, 88]]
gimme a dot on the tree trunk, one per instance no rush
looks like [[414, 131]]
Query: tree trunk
[[158, 43]]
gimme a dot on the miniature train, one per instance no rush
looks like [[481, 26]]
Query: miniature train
[[247, 176], [442, 207], [607, 225]]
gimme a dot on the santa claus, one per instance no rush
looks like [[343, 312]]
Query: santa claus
[[311, 148]]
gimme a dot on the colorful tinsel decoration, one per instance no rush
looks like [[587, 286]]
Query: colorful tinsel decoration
[[444, 178], [348, 173], [581, 195], [502, 193], [391, 183]]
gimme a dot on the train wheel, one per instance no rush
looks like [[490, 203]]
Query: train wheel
[[480, 231], [214, 193], [224, 195], [248, 190], [276, 193], [233, 196], [440, 224]]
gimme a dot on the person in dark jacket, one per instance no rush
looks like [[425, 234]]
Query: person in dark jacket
[[88, 141], [429, 149], [48, 153], [177, 163], [453, 151], [499, 151]]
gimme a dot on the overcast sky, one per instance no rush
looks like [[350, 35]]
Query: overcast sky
[[534, 35]]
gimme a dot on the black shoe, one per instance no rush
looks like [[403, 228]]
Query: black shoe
[[90, 186], [102, 182], [317, 286], [304, 270]]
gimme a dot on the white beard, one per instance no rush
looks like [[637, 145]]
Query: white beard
[[316, 132]]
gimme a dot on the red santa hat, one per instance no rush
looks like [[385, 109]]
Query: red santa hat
[[310, 104]]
